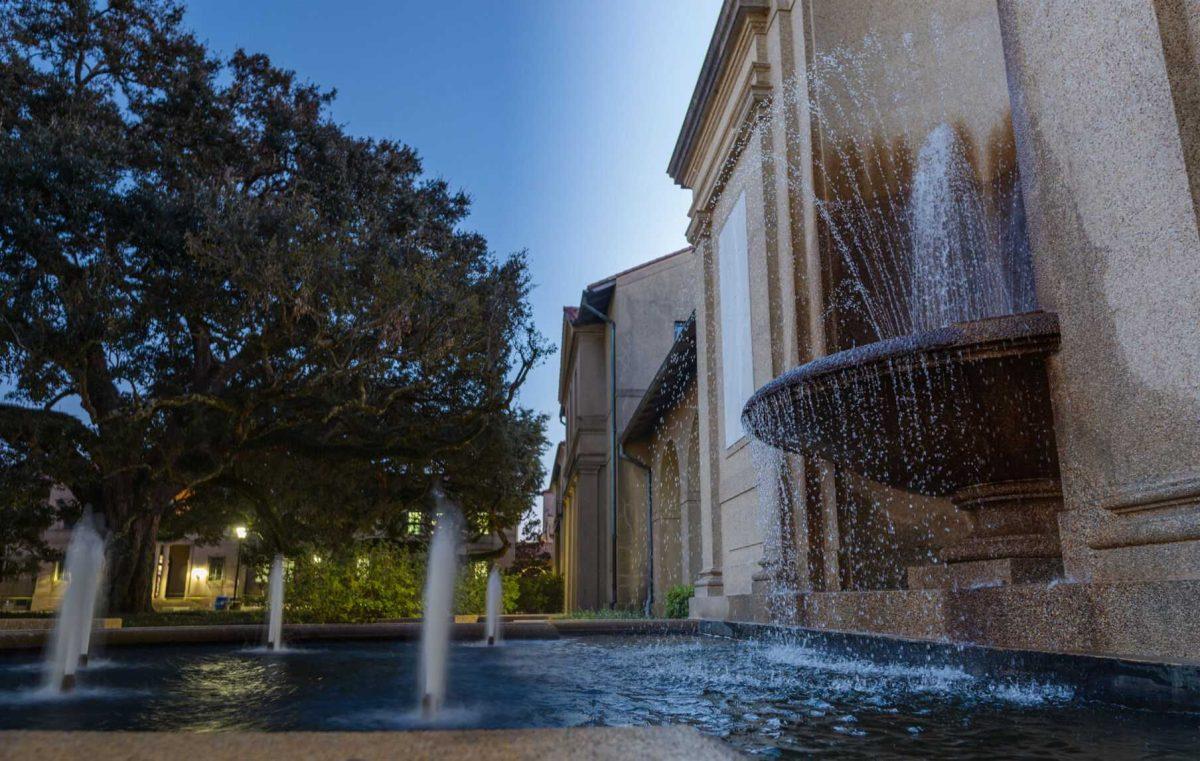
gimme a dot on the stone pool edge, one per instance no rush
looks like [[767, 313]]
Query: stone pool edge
[[401, 631], [600, 743], [1118, 680]]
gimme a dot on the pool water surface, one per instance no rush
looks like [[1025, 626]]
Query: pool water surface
[[763, 698]]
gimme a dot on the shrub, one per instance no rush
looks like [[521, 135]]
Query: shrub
[[677, 600], [383, 582], [374, 583], [470, 597], [539, 592]]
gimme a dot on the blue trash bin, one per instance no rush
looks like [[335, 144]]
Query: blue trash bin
[[220, 603]]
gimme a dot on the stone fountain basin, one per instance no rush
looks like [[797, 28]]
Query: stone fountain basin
[[931, 413]]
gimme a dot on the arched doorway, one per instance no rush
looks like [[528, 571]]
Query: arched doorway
[[668, 556], [690, 511]]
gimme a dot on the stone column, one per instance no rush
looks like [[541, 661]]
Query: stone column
[[708, 601], [1112, 222], [689, 513], [591, 535]]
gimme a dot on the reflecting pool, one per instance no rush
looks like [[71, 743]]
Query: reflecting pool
[[763, 698]]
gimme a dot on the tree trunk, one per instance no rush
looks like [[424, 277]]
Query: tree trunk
[[131, 566]]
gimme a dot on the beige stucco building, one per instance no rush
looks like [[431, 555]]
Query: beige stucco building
[[611, 346], [1077, 126], [662, 438], [187, 575], [1102, 167]]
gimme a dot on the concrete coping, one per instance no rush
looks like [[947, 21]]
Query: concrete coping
[[40, 623], [401, 631], [593, 743]]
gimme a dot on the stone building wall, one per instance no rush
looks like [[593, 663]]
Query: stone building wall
[[1104, 103], [645, 303]]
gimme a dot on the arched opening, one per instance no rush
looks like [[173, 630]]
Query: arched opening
[[668, 568], [692, 563]]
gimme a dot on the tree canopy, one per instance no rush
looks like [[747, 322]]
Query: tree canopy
[[246, 300]]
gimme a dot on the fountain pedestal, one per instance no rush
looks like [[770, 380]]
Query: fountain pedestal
[[1014, 534]]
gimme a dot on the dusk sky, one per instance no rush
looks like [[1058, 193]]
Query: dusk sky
[[556, 116]]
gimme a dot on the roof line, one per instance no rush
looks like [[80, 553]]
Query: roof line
[[636, 267], [731, 15]]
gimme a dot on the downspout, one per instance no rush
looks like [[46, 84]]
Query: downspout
[[612, 414], [649, 527]]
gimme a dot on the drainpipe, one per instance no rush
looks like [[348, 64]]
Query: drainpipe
[[612, 370], [649, 527]]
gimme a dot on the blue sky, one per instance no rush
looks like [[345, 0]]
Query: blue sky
[[556, 116]]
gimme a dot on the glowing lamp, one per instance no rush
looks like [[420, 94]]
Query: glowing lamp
[[199, 573], [240, 532]]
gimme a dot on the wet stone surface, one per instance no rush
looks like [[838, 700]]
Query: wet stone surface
[[773, 699]]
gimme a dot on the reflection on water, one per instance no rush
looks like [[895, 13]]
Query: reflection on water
[[761, 697]]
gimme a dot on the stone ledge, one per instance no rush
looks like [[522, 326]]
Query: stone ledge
[[1152, 621], [598, 743], [249, 634], [44, 623]]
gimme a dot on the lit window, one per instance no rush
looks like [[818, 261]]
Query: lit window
[[216, 567], [737, 356], [416, 522]]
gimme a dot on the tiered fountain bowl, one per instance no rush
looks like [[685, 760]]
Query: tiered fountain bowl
[[961, 412]]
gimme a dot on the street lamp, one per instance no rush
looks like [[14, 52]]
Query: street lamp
[[240, 533]]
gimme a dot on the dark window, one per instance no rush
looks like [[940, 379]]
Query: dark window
[[216, 568]]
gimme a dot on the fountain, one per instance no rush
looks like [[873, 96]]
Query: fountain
[[71, 638], [952, 399], [440, 576], [275, 604], [495, 601]]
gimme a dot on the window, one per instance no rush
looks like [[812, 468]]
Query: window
[[737, 356], [415, 522], [216, 567], [680, 326]]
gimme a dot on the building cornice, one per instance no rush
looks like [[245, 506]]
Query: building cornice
[[722, 48]]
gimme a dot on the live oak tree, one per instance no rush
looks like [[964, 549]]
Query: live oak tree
[[495, 476], [300, 504], [229, 289]]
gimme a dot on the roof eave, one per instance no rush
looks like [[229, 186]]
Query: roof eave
[[733, 15]]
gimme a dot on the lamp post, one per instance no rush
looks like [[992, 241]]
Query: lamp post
[[240, 533]]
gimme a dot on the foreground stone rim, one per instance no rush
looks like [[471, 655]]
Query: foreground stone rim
[[576, 743]]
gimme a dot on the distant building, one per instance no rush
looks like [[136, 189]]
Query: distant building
[[612, 344], [549, 517], [187, 575], [663, 435], [802, 147]]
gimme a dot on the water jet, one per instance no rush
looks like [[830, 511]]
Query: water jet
[[275, 604], [495, 601], [440, 575], [83, 570]]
